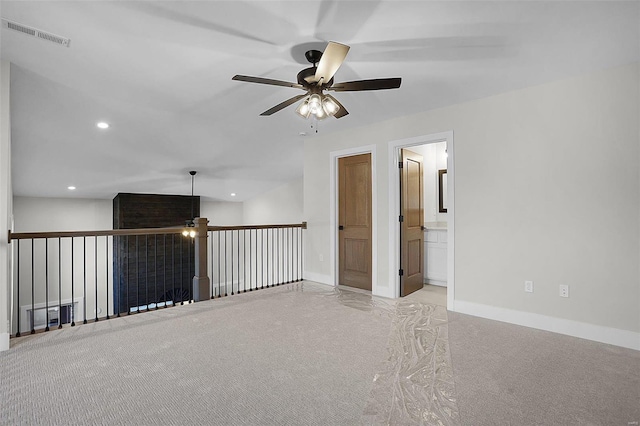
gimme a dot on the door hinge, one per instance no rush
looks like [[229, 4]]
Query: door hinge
[[399, 164], [401, 272], [401, 218]]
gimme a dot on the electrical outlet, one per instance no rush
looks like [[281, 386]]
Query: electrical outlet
[[321, 258], [528, 286], [564, 291]]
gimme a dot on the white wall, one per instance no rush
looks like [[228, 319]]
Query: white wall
[[33, 214], [236, 254], [5, 204], [547, 189], [282, 205], [79, 214], [222, 213], [279, 248], [90, 274]]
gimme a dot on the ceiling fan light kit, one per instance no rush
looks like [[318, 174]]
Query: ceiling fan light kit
[[320, 106], [319, 77]]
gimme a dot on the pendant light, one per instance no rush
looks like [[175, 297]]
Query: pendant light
[[190, 230]]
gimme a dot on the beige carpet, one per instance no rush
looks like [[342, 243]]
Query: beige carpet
[[280, 356], [511, 375], [307, 354]]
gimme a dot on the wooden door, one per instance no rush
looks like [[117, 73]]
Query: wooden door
[[354, 211], [412, 223]]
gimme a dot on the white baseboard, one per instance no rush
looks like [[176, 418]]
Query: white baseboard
[[598, 333], [383, 292], [326, 279], [319, 278], [4, 342], [436, 283]]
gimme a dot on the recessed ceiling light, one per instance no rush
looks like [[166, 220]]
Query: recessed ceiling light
[[102, 125], [233, 194], [71, 188]]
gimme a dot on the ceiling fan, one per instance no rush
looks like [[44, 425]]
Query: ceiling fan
[[318, 78]]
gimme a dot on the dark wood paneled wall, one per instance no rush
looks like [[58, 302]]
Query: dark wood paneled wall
[[152, 211], [155, 268]]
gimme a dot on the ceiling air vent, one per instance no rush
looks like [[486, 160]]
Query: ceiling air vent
[[34, 32]]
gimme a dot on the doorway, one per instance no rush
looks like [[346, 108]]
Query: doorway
[[334, 219], [354, 221], [400, 259], [411, 222]]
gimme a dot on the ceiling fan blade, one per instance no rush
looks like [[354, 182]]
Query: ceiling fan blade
[[375, 84], [332, 58], [283, 105], [269, 81], [342, 111], [452, 48], [343, 20], [175, 14]]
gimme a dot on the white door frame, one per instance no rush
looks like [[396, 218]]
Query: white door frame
[[334, 212], [394, 209]]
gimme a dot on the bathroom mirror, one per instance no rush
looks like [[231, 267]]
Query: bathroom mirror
[[442, 190]]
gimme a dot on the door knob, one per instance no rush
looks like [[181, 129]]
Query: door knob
[[341, 228]]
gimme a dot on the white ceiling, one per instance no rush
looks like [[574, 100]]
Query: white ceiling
[[160, 73]]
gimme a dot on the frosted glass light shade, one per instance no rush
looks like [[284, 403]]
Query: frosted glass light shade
[[329, 106], [303, 109], [315, 103]]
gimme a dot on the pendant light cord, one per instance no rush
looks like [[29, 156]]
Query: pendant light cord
[[192, 173]]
